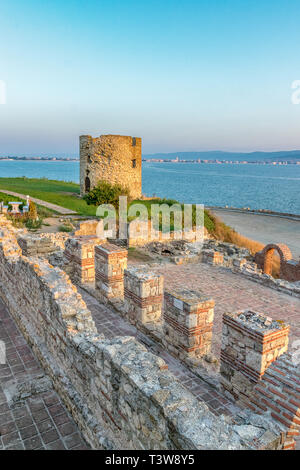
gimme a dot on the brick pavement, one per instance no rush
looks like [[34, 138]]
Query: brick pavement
[[40, 421]]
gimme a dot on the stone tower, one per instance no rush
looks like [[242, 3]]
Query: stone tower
[[112, 158]]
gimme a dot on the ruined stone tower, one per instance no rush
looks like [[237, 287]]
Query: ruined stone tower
[[112, 158]]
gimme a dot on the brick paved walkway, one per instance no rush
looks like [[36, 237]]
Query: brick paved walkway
[[232, 292], [39, 422]]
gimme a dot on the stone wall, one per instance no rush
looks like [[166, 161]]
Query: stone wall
[[117, 381], [110, 262], [250, 343], [188, 320], [143, 293], [80, 258], [257, 372], [112, 158], [33, 245]]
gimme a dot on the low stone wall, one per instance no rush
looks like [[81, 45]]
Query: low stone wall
[[117, 381], [88, 227], [34, 245]]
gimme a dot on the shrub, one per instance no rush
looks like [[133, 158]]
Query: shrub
[[106, 193], [33, 224], [65, 228]]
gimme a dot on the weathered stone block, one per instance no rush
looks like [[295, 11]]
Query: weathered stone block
[[110, 262], [143, 295], [188, 320], [251, 341], [80, 255]]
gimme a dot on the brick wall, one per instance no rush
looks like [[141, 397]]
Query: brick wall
[[278, 394]]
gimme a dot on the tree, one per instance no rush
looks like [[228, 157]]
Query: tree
[[32, 213], [106, 193]]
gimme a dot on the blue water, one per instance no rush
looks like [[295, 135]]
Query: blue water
[[270, 187]]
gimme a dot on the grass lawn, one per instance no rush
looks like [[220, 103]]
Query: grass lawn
[[57, 192], [66, 194], [42, 211]]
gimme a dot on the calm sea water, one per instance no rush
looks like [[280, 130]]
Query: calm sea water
[[256, 186]]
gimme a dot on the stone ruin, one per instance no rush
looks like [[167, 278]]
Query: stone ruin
[[289, 268], [119, 380]]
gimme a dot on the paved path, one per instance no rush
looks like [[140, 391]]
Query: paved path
[[264, 228], [54, 207], [39, 422]]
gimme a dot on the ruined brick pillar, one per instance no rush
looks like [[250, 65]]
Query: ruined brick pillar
[[110, 262], [188, 320], [143, 293], [251, 341], [80, 255]]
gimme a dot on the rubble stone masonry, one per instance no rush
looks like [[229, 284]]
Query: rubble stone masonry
[[143, 294], [110, 262], [80, 258], [188, 320], [117, 381], [250, 343]]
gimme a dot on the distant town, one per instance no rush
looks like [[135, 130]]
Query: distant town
[[162, 160], [221, 162]]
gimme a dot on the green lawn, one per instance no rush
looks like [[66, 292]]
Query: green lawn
[[42, 211], [67, 195], [57, 192]]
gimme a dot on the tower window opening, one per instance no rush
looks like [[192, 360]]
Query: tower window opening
[[134, 163], [87, 184], [133, 141]]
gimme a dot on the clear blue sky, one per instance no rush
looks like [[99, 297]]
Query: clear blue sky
[[183, 75]]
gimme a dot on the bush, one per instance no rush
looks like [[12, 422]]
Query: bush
[[65, 228], [106, 193], [32, 224]]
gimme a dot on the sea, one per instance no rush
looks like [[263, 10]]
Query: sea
[[271, 187]]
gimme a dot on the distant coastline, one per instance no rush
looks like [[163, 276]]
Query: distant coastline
[[222, 162], [161, 160]]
